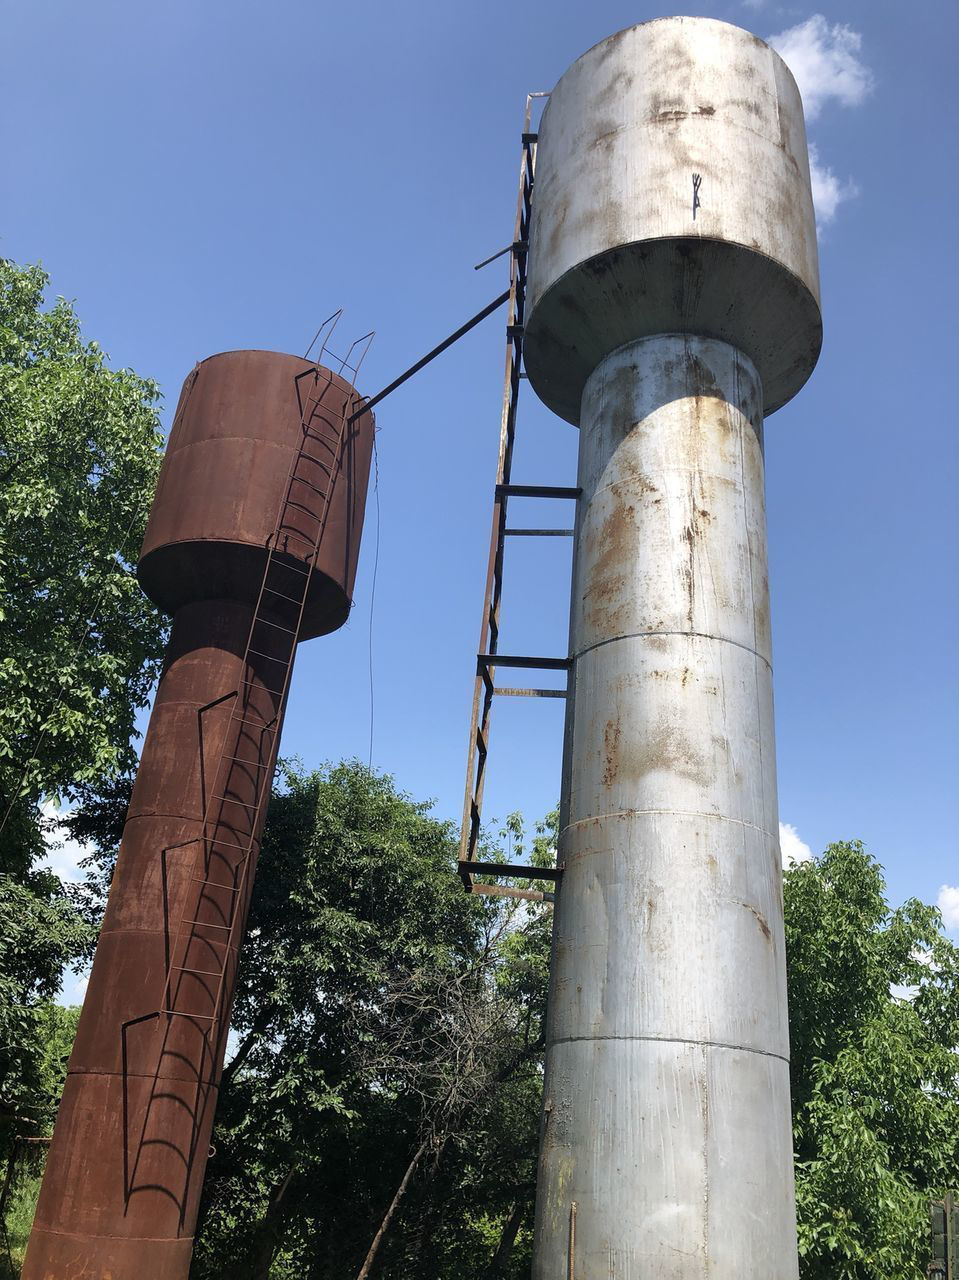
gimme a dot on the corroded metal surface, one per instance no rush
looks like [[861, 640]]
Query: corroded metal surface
[[667, 1082], [256, 439], [673, 195], [223, 478], [126, 1164]]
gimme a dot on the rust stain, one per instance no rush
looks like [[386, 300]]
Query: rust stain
[[689, 536], [615, 541], [760, 919], [664, 748], [611, 751]]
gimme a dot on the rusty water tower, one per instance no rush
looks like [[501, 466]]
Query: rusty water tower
[[251, 546], [673, 302]]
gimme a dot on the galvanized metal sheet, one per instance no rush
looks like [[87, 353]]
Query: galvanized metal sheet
[[672, 195], [666, 1117]]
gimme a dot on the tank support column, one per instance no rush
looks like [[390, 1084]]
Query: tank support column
[[668, 1003]]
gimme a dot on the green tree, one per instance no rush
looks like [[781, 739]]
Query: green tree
[[79, 643], [79, 455], [368, 972], [40, 932], [53, 1028], [382, 1053], [874, 1026]]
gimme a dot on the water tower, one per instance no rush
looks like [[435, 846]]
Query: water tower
[[251, 546], [673, 302]]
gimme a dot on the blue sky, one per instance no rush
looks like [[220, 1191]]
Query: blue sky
[[206, 175]]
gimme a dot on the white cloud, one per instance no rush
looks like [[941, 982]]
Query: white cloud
[[948, 904], [825, 61], [828, 191], [793, 848], [64, 854]]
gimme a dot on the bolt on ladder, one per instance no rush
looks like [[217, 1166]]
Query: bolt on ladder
[[489, 658]]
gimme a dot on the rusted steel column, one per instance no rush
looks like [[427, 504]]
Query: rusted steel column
[[125, 1168], [673, 302], [257, 437]]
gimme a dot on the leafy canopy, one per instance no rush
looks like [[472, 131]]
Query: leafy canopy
[[79, 643], [372, 1038], [874, 1026], [79, 454], [370, 980]]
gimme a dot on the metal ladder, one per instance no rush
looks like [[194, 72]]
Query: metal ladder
[[224, 864], [488, 659]]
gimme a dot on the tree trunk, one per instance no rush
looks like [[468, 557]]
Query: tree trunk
[[507, 1240], [256, 1263], [243, 1052], [370, 1258], [438, 1194]]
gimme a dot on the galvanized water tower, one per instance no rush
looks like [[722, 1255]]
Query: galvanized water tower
[[673, 302]]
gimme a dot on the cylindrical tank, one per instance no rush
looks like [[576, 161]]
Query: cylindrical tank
[[673, 299], [126, 1164], [238, 427], [625, 242]]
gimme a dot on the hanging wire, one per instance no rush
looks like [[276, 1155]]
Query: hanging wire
[[376, 561]]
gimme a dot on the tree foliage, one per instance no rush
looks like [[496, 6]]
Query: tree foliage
[[40, 933], [874, 1023], [383, 1060], [79, 643], [388, 1038], [79, 455]]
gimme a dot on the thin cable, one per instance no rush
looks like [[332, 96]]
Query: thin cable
[[376, 561]]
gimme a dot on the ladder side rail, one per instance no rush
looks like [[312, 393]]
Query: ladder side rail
[[489, 625], [241, 704], [494, 604], [309, 413], [264, 782], [240, 891]]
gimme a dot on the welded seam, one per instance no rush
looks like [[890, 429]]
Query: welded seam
[[95, 1235], [709, 1044], [680, 813], [700, 635], [150, 1075], [178, 817]]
